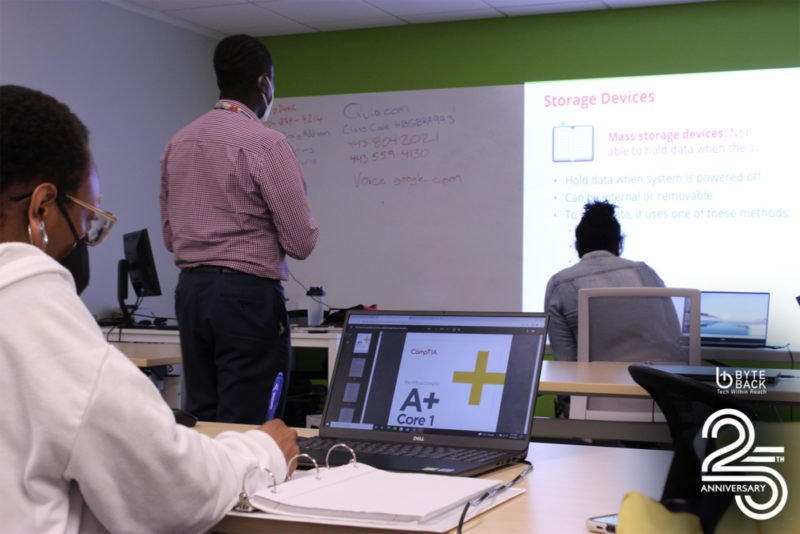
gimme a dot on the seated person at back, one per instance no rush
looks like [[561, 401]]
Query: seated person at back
[[598, 241]]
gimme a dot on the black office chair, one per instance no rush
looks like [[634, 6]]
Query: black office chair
[[686, 404]]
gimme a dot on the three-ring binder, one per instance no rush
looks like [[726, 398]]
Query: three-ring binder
[[244, 505], [244, 499], [376, 498]]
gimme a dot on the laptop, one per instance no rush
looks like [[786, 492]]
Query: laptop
[[434, 392], [733, 319]]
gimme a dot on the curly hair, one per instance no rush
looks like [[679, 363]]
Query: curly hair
[[239, 60], [41, 140], [598, 230]]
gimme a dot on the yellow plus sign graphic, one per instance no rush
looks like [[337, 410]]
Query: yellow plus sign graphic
[[479, 377]]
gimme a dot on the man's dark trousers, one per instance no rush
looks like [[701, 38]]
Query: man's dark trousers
[[235, 339]]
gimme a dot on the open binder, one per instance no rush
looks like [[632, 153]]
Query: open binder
[[360, 495]]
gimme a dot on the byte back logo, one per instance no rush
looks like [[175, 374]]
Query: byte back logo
[[741, 381]]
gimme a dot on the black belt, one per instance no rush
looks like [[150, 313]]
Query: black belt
[[220, 269], [211, 269]]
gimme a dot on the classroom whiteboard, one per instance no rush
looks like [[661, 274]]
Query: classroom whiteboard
[[418, 195]]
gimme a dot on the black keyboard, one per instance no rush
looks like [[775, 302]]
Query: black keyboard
[[403, 449]]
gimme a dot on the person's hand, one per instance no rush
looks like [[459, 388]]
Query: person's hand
[[285, 437]]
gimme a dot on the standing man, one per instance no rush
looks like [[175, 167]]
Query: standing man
[[233, 205]]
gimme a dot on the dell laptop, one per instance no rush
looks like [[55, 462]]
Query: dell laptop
[[733, 319], [433, 392]]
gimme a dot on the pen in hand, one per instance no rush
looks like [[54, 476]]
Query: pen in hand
[[275, 396]]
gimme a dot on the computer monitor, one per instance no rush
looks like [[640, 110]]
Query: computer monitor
[[140, 267]]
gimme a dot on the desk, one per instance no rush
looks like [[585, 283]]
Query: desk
[[613, 379], [712, 354], [149, 347], [568, 484], [325, 338], [150, 354], [745, 355]]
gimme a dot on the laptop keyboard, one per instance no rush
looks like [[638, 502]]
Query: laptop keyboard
[[404, 449]]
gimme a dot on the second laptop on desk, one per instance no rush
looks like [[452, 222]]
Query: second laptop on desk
[[438, 392]]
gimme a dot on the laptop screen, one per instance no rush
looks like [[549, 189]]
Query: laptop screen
[[443, 373], [733, 319]]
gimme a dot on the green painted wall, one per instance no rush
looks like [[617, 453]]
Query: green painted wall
[[711, 36]]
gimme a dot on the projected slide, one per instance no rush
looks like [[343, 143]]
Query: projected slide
[[704, 169]]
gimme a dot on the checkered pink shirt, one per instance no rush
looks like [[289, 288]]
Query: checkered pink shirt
[[233, 195]]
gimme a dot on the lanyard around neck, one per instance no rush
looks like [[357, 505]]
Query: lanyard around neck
[[233, 107]]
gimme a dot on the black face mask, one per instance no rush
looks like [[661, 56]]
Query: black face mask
[[77, 260], [77, 263]]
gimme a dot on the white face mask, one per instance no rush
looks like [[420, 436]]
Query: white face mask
[[268, 105]]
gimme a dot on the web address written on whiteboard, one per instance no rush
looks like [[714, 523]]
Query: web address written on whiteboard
[[362, 180]]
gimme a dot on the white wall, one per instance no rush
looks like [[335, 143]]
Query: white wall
[[134, 81]]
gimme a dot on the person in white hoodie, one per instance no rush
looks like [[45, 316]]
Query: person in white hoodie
[[87, 442]]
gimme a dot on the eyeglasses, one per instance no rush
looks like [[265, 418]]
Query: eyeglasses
[[99, 226]]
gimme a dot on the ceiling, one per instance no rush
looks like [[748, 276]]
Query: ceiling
[[281, 17]]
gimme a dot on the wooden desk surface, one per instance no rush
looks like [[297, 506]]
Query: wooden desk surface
[[591, 378], [568, 484], [151, 347], [150, 354], [613, 378]]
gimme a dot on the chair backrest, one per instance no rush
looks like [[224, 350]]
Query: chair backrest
[[686, 404], [637, 325]]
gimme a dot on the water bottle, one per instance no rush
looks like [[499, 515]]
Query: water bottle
[[315, 301]]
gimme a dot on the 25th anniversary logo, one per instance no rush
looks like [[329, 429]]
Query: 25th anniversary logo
[[739, 467]]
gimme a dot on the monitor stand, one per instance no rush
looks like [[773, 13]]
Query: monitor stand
[[122, 293]]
